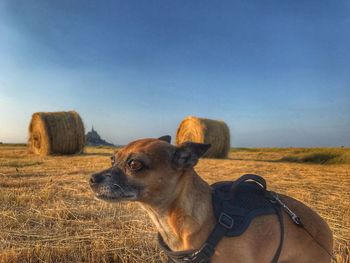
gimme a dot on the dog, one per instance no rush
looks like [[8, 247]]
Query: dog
[[161, 178]]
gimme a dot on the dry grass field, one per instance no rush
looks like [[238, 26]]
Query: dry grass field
[[48, 213]]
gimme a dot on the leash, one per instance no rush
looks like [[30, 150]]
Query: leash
[[296, 219]]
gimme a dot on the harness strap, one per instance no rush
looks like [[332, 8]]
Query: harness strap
[[256, 178]]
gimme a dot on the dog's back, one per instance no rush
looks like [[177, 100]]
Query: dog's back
[[316, 236], [261, 239]]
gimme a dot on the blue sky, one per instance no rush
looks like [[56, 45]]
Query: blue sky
[[278, 72]]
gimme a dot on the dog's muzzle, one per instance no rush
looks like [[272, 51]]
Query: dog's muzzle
[[112, 186]]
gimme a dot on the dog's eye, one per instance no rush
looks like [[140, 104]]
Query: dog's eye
[[135, 165]]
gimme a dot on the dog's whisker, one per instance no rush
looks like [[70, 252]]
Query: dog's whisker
[[121, 189]]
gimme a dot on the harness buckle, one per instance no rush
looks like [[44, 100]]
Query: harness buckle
[[295, 218], [226, 221]]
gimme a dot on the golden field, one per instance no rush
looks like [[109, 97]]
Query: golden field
[[48, 213]]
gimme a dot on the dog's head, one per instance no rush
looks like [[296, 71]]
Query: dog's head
[[146, 170]]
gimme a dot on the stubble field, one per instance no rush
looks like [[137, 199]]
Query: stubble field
[[48, 213]]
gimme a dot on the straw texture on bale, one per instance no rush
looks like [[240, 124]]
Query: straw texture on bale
[[56, 133], [202, 130]]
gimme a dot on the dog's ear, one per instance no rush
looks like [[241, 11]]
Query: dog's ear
[[188, 153], [166, 138]]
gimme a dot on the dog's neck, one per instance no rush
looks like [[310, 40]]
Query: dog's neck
[[186, 218]]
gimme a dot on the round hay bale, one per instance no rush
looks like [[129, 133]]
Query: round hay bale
[[56, 133], [202, 130]]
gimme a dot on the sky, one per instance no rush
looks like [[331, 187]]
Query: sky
[[277, 72]]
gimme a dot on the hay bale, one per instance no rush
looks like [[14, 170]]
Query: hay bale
[[56, 133], [203, 130]]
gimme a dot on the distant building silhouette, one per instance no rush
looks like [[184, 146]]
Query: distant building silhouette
[[92, 138]]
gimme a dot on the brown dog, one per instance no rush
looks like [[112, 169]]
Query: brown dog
[[161, 178]]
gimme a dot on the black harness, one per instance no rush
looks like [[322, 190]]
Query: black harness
[[235, 204]]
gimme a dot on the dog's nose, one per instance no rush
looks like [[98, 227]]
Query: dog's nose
[[96, 179]]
